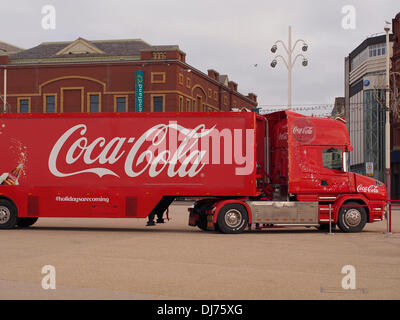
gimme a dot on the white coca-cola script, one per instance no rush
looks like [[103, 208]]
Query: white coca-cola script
[[283, 136], [302, 131], [367, 189], [186, 160]]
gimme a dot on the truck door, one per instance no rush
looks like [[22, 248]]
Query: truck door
[[334, 177], [319, 169]]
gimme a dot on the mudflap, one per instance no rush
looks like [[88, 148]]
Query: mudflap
[[193, 217]]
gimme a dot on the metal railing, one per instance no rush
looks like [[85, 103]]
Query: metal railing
[[390, 204]]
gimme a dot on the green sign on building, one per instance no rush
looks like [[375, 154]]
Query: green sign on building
[[139, 92]]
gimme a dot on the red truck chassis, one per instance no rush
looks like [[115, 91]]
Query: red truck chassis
[[282, 169]]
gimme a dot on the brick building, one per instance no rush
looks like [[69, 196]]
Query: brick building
[[103, 76], [395, 153]]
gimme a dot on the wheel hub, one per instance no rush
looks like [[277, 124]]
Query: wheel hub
[[353, 217], [4, 215], [233, 218]]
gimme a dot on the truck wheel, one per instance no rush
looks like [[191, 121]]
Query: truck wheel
[[25, 222], [352, 219], [233, 218], [8, 214]]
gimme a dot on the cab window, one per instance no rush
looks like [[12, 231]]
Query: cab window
[[332, 158]]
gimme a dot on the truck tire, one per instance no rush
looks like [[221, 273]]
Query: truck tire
[[232, 218], [25, 222], [352, 219], [8, 214]]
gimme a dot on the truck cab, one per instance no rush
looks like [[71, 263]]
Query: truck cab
[[304, 179], [311, 161]]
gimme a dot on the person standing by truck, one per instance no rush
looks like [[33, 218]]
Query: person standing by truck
[[151, 217]]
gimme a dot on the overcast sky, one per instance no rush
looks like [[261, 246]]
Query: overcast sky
[[230, 36]]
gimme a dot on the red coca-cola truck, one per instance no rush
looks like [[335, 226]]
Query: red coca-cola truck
[[244, 169]]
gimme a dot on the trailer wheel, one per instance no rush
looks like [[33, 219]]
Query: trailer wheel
[[233, 218], [8, 214], [352, 219], [25, 222]]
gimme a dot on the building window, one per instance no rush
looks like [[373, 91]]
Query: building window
[[94, 103], [121, 104], [160, 55], [50, 103], [376, 50], [158, 77], [188, 109], [158, 103], [187, 82], [23, 105], [180, 78], [181, 104]]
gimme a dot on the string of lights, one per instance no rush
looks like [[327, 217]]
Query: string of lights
[[316, 107]]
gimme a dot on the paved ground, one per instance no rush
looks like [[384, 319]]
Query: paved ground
[[123, 259]]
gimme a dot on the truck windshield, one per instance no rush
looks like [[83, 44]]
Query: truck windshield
[[332, 158]]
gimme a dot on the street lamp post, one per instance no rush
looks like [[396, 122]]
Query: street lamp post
[[289, 62], [387, 131]]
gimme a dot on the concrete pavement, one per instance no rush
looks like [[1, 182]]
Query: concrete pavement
[[123, 259]]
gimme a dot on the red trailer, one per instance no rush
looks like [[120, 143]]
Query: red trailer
[[283, 169]]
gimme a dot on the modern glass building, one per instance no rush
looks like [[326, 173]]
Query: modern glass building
[[365, 70]]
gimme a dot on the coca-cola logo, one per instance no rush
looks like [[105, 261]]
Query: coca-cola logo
[[283, 136], [303, 130], [367, 189], [165, 148], [283, 133], [111, 152]]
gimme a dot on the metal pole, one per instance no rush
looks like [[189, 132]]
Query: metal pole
[[290, 49], [5, 91], [330, 219], [387, 129]]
